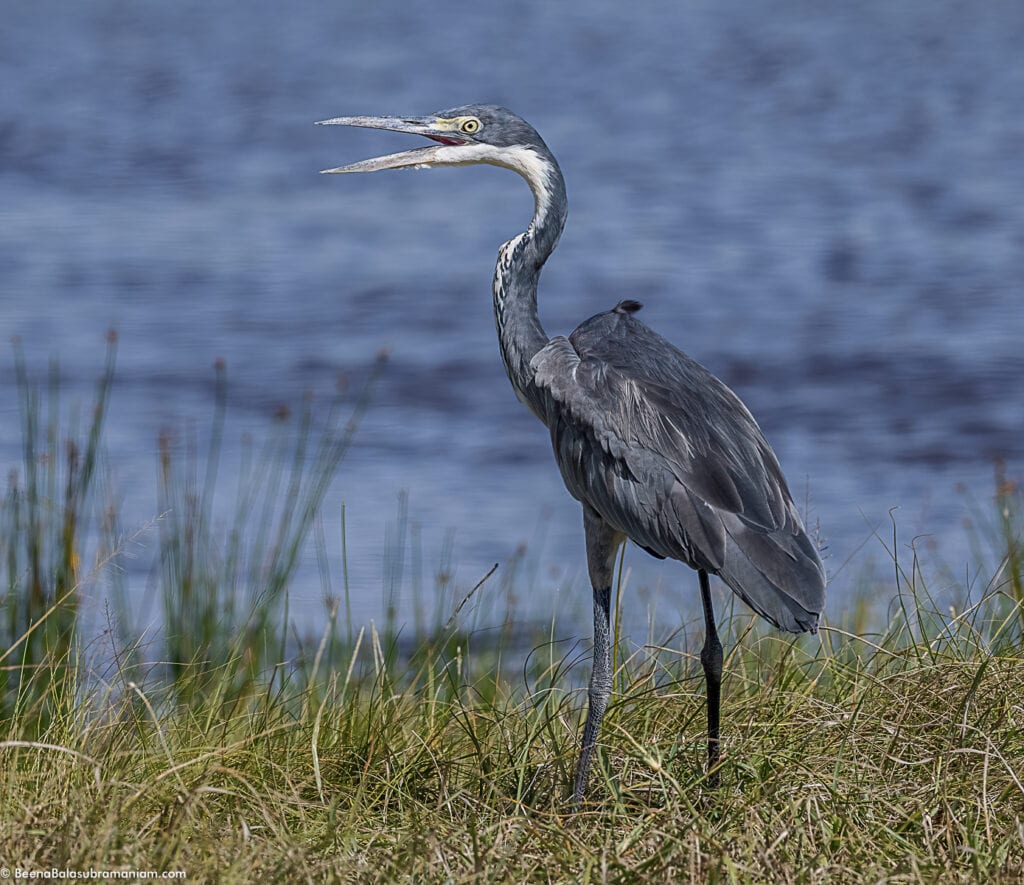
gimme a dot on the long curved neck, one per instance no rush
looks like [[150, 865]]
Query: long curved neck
[[520, 260]]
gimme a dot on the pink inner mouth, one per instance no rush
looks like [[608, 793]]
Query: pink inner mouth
[[451, 142]]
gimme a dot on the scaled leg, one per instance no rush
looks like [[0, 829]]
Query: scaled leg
[[603, 544]]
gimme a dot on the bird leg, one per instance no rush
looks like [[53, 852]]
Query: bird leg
[[600, 689], [603, 544], [711, 660]]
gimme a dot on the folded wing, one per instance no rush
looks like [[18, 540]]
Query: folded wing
[[667, 454]]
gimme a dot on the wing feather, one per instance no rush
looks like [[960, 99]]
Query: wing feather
[[666, 453]]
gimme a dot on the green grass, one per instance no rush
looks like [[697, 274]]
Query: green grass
[[891, 748]]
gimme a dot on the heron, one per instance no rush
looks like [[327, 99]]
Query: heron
[[656, 448]]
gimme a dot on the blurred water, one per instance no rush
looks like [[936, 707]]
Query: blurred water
[[823, 205]]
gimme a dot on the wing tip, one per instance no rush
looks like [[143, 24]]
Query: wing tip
[[792, 598]]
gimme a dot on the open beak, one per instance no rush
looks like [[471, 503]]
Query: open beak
[[422, 158]]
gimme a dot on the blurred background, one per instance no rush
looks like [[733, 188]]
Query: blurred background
[[824, 204]]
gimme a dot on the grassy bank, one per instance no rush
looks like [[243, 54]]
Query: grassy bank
[[891, 748]]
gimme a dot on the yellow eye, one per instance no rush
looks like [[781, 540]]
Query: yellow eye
[[471, 125]]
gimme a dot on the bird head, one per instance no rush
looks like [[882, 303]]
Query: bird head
[[466, 135]]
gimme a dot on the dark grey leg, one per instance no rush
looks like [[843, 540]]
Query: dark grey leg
[[711, 659], [602, 546]]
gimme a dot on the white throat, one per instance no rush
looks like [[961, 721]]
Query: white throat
[[523, 160]]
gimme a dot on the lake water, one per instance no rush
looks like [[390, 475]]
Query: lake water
[[825, 206]]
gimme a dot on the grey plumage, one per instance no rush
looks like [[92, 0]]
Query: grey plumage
[[669, 456], [654, 446]]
